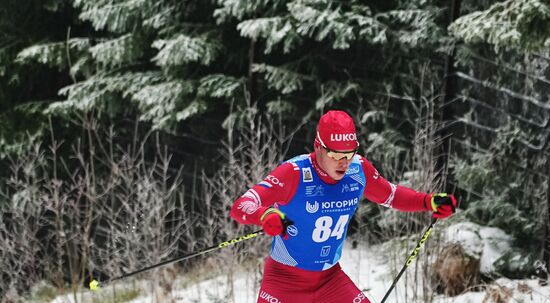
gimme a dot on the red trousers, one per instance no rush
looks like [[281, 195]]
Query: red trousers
[[286, 284]]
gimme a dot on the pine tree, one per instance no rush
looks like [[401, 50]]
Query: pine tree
[[296, 46], [25, 90], [510, 24], [162, 58]]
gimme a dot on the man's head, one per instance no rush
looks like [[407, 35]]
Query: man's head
[[335, 143]]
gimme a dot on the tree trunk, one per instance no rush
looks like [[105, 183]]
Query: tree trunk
[[449, 92], [545, 266]]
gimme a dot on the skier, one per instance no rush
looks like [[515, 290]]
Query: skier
[[306, 204]]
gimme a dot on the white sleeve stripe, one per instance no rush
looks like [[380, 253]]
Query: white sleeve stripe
[[252, 194], [389, 201], [258, 199]]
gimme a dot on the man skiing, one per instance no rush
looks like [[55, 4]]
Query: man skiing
[[307, 203]]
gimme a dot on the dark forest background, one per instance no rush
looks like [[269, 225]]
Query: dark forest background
[[136, 104]]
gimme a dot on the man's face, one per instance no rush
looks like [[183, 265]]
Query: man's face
[[336, 169]]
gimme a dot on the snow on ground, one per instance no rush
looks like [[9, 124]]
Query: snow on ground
[[371, 268], [486, 243]]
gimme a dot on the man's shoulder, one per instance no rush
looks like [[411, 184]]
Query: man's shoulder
[[358, 159], [285, 170], [366, 164], [362, 159]]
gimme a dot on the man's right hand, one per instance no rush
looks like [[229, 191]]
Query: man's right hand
[[274, 222]]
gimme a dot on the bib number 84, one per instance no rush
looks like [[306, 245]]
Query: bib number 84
[[323, 228]]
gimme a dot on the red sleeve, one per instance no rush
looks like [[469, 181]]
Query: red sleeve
[[381, 191], [278, 187]]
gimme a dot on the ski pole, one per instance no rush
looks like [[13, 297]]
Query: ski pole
[[413, 255], [94, 284]]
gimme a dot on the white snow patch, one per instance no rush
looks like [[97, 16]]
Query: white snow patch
[[486, 243]]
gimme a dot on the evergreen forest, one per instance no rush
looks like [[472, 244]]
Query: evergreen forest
[[128, 127]]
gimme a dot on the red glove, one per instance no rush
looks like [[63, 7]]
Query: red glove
[[274, 222], [443, 205]]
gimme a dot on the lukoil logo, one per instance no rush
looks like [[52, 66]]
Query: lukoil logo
[[269, 298], [343, 137], [360, 297], [274, 180]]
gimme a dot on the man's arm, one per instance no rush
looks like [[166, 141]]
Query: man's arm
[[278, 187]]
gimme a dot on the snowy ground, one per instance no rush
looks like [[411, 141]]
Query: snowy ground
[[371, 268]]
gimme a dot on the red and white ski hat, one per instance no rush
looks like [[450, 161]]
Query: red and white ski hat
[[336, 131]]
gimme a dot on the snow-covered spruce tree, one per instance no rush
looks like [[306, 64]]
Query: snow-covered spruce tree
[[26, 89], [170, 61], [322, 52], [503, 62], [509, 24], [163, 59]]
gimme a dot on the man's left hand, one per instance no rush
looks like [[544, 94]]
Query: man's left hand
[[443, 205]]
